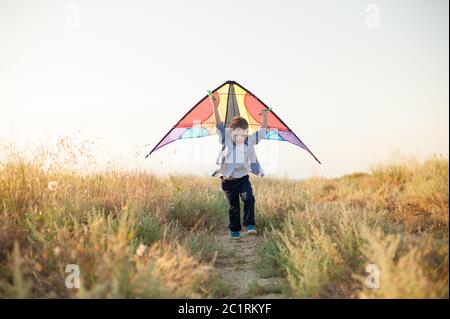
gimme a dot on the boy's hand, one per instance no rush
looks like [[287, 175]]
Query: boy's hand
[[212, 98], [265, 111]]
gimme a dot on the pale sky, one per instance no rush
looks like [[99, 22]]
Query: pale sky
[[358, 81]]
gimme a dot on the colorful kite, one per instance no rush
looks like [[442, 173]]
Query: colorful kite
[[233, 100]]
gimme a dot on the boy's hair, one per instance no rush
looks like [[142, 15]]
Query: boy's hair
[[240, 122]]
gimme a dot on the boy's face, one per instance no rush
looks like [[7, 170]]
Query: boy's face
[[238, 134]]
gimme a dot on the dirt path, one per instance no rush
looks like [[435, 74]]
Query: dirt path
[[237, 265]]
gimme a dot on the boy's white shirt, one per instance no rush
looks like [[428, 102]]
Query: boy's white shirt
[[245, 154], [242, 165]]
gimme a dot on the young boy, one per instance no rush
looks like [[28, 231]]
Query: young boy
[[236, 159]]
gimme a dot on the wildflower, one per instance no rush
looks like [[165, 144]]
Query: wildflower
[[57, 251], [140, 251], [52, 185], [38, 267]]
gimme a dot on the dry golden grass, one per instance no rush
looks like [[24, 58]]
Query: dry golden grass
[[395, 217], [55, 215], [135, 235]]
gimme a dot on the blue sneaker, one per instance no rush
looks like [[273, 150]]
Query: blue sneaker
[[251, 230], [235, 235]]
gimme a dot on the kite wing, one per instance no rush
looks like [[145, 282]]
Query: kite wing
[[233, 100]]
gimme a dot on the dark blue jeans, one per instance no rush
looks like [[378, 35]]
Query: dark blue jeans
[[233, 189]]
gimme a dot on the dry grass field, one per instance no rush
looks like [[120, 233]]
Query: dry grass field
[[136, 235]]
